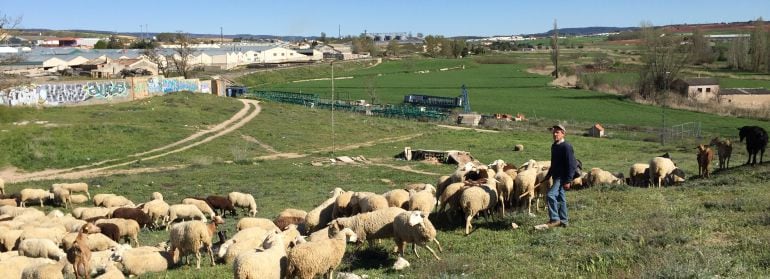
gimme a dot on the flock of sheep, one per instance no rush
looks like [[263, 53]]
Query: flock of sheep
[[296, 243]]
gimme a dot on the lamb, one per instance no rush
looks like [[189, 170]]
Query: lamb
[[34, 194], [79, 187], [80, 254], [40, 248], [200, 204], [99, 198], [342, 205], [78, 199], [504, 183], [117, 201], [705, 156], [243, 200], [371, 203], [128, 228], [598, 176], [664, 170], [756, 141], [397, 198], [222, 204], [475, 200], [250, 222], [319, 257], [189, 237], [143, 219], [424, 201], [724, 151], [371, 225], [271, 262], [183, 211], [639, 175], [321, 214], [140, 260], [416, 228], [290, 216]]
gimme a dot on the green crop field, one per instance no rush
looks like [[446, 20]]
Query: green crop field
[[702, 228]]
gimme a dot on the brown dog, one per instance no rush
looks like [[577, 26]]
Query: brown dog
[[80, 254]]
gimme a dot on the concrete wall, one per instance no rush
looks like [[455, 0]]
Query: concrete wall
[[703, 93], [101, 91], [746, 100]]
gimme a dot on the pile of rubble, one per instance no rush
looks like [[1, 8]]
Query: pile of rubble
[[340, 160]]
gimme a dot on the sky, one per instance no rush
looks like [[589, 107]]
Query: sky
[[348, 17]]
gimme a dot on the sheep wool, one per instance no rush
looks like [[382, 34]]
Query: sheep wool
[[321, 215], [40, 248], [397, 198], [476, 199], [243, 200], [308, 259], [249, 222], [270, 263], [371, 225], [415, 228]]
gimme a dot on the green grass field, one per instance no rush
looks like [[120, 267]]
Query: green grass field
[[703, 228]]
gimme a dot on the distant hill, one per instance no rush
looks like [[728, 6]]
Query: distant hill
[[582, 31]]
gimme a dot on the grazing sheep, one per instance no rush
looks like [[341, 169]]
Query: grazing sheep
[[250, 222], [9, 202], [223, 204], [371, 225], [504, 183], [84, 213], [129, 229], [110, 230], [664, 171], [397, 198], [441, 184], [524, 184], [157, 196], [724, 151], [14, 267], [140, 260], [244, 201], [705, 156], [321, 215], [342, 205], [189, 237], [143, 219], [598, 176], [415, 228], [424, 201], [756, 141], [157, 209], [243, 241], [183, 211], [319, 257], [371, 203], [639, 175], [62, 195], [34, 194], [200, 204], [40, 248], [45, 271], [78, 199], [290, 216], [99, 198], [10, 239], [419, 187], [451, 196], [79, 187], [270, 262], [475, 200], [117, 201], [54, 233]]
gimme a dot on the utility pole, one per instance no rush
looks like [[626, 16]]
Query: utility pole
[[333, 143], [555, 50], [339, 31], [221, 36]]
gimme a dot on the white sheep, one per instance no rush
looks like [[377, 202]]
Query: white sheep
[[95, 241], [200, 204], [319, 257], [127, 228], [504, 183], [157, 196], [397, 198], [183, 211], [639, 175], [189, 237], [10, 239], [242, 241], [62, 195], [117, 201], [270, 262], [243, 200], [451, 196], [372, 202], [664, 171], [441, 184], [249, 222], [15, 266], [78, 199], [9, 202], [140, 260], [424, 201], [85, 213], [45, 271], [79, 187], [414, 227], [371, 225], [475, 200], [99, 198], [40, 248], [55, 233], [524, 185], [157, 209], [598, 176], [342, 205], [2, 187], [322, 214], [34, 194]]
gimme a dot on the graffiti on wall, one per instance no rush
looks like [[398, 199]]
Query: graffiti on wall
[[55, 94]]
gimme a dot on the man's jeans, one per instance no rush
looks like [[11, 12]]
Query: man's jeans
[[557, 202]]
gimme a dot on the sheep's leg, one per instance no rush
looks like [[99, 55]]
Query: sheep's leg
[[438, 245], [431, 251], [211, 254], [198, 259], [414, 250], [400, 248], [41, 203], [468, 225], [502, 206]]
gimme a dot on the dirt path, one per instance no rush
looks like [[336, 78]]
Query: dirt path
[[466, 128], [242, 117]]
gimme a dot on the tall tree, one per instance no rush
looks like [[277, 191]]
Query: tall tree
[[758, 46], [663, 57], [700, 48], [8, 29], [738, 54], [323, 37], [183, 54], [394, 48], [555, 50]]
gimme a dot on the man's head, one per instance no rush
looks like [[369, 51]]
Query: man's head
[[558, 132]]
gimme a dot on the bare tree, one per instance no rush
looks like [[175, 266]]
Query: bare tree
[[8, 26], [737, 54], [555, 50], [663, 56], [393, 49], [371, 88], [155, 56], [183, 54], [700, 48], [758, 46]]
